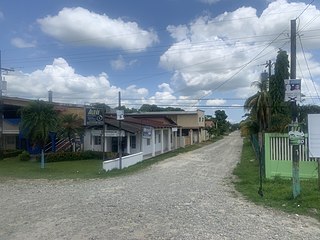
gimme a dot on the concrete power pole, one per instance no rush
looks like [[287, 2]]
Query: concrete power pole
[[295, 148]]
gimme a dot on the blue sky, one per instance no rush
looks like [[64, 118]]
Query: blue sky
[[183, 53]]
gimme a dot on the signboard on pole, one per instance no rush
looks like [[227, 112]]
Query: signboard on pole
[[120, 115], [296, 135], [114, 133], [314, 135], [94, 116], [292, 90]]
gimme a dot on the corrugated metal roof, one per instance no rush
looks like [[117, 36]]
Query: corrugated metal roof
[[135, 125]]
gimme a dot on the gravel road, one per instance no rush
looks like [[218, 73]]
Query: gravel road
[[185, 197]]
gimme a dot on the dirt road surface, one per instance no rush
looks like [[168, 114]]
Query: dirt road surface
[[185, 197]]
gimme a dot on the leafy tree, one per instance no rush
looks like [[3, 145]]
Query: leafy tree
[[155, 108], [304, 110], [37, 120], [222, 125], [281, 110], [71, 125], [276, 85]]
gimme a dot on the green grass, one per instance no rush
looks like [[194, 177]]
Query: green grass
[[277, 192], [12, 168]]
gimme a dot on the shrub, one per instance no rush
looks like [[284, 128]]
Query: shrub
[[9, 153], [24, 156], [71, 156]]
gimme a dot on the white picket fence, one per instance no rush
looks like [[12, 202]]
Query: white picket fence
[[280, 149]]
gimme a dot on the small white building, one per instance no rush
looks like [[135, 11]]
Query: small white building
[[150, 135]]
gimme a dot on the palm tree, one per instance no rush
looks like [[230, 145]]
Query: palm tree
[[70, 126], [259, 105], [37, 120]]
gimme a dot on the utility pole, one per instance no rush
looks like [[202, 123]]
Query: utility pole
[[295, 148], [120, 137]]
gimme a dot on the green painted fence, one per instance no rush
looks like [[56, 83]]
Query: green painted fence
[[278, 158]]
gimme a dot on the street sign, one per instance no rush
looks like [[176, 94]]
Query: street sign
[[94, 116], [114, 133]]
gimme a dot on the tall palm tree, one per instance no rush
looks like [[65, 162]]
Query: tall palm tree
[[71, 125], [37, 120], [259, 105]]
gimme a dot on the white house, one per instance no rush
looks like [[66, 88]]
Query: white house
[[150, 135]]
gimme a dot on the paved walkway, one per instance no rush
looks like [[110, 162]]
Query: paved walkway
[[185, 197]]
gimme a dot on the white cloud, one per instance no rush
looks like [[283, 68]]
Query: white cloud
[[80, 26], [220, 53], [215, 102], [118, 64], [68, 86], [209, 1], [121, 64], [20, 43]]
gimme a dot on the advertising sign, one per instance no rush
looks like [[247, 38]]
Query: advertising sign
[[94, 117], [120, 115], [314, 135], [292, 90], [147, 132]]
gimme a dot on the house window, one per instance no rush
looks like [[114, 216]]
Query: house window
[[148, 142], [159, 138], [97, 140], [133, 141]]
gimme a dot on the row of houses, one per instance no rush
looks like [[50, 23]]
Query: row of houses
[[151, 133]]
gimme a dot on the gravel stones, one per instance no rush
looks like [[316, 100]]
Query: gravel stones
[[189, 196]]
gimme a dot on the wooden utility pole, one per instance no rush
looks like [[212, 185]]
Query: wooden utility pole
[[295, 148]]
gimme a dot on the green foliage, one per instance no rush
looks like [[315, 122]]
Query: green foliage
[[280, 122], [70, 126], [222, 126], [9, 153], [24, 156], [248, 127], [155, 108], [72, 156], [75, 156], [277, 192], [276, 85], [258, 106], [37, 120], [304, 110]]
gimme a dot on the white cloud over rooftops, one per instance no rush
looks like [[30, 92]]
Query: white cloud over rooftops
[[222, 53], [79, 26], [68, 86]]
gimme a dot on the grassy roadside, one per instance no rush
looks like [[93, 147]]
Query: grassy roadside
[[12, 168], [277, 192]]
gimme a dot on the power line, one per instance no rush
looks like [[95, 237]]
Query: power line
[[304, 55]]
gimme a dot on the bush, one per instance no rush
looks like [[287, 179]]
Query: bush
[[9, 153], [24, 156], [71, 156]]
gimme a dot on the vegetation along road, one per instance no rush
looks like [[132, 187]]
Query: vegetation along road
[[189, 196]]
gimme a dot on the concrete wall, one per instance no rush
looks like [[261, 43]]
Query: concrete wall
[[127, 161]]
